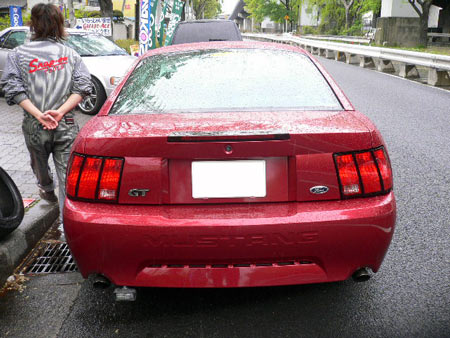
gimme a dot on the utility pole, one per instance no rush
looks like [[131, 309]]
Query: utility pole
[[71, 13]]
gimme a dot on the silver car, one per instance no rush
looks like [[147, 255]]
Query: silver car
[[106, 61]]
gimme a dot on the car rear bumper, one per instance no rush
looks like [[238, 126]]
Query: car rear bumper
[[233, 245]]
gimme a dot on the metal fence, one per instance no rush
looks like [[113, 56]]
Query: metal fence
[[438, 66]]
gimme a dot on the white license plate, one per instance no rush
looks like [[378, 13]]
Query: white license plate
[[228, 179]]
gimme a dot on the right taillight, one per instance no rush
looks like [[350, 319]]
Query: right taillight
[[94, 178], [385, 167], [364, 173]]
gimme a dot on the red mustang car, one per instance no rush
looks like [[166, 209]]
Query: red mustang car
[[228, 164]]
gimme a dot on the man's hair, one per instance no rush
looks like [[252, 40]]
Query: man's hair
[[47, 22]]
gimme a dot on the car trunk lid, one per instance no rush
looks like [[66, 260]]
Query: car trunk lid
[[166, 155]]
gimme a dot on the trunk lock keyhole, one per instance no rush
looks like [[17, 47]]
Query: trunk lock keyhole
[[228, 149]]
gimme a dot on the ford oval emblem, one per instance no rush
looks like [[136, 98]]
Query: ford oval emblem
[[319, 189]]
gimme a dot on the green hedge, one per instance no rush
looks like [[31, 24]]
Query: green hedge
[[126, 44], [81, 13]]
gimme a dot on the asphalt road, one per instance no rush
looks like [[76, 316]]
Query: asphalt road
[[408, 297]]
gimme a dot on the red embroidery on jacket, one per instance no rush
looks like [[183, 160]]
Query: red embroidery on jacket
[[48, 66]]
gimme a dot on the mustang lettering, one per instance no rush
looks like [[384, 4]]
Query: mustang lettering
[[250, 240]]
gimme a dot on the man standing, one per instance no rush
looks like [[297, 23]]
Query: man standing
[[47, 79]]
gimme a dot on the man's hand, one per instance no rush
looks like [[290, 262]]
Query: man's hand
[[48, 121], [55, 114]]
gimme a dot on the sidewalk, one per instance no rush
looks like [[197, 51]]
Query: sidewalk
[[14, 159]]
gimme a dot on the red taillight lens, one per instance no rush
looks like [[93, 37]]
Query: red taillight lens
[[369, 172], [94, 178], [109, 182], [89, 178], [385, 168], [73, 174], [348, 175], [364, 173]]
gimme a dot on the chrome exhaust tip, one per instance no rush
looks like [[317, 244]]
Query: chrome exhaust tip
[[125, 294], [101, 282], [361, 275]]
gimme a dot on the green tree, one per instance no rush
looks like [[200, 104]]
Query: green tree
[[206, 9], [274, 9], [339, 18], [106, 8], [5, 20], [347, 5]]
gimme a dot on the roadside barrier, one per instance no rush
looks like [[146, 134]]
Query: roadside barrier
[[381, 58], [339, 38]]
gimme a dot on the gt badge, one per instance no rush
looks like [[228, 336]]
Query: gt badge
[[138, 192]]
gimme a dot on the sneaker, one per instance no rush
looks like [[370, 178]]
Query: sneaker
[[49, 196]]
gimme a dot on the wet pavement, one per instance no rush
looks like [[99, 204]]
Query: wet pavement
[[14, 156], [39, 214]]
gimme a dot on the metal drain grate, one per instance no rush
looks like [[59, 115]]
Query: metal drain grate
[[53, 257]]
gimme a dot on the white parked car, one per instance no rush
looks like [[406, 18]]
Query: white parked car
[[106, 61]]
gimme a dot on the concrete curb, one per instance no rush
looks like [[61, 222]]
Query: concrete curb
[[14, 248]]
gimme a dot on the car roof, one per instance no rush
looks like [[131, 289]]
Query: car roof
[[206, 30], [203, 21]]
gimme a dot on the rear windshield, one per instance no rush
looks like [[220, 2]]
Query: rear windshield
[[225, 80], [206, 31]]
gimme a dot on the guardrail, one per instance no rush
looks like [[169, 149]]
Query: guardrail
[[442, 38], [439, 37], [350, 39], [376, 57]]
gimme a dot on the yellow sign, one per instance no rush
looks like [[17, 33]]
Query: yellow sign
[[286, 17], [134, 49], [128, 8]]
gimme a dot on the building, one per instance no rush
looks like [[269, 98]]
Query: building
[[308, 16], [392, 8], [241, 17], [247, 24], [4, 5], [399, 23]]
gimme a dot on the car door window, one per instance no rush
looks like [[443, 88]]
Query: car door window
[[14, 39], [3, 38]]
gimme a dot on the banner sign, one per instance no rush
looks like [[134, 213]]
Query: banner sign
[[175, 17], [161, 21], [147, 23], [15, 15], [99, 25]]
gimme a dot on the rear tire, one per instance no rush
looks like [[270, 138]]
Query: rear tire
[[91, 104], [11, 205]]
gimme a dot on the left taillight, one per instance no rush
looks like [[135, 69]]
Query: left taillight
[[94, 178], [364, 173]]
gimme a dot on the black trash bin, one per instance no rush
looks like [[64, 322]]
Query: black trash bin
[[11, 205]]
